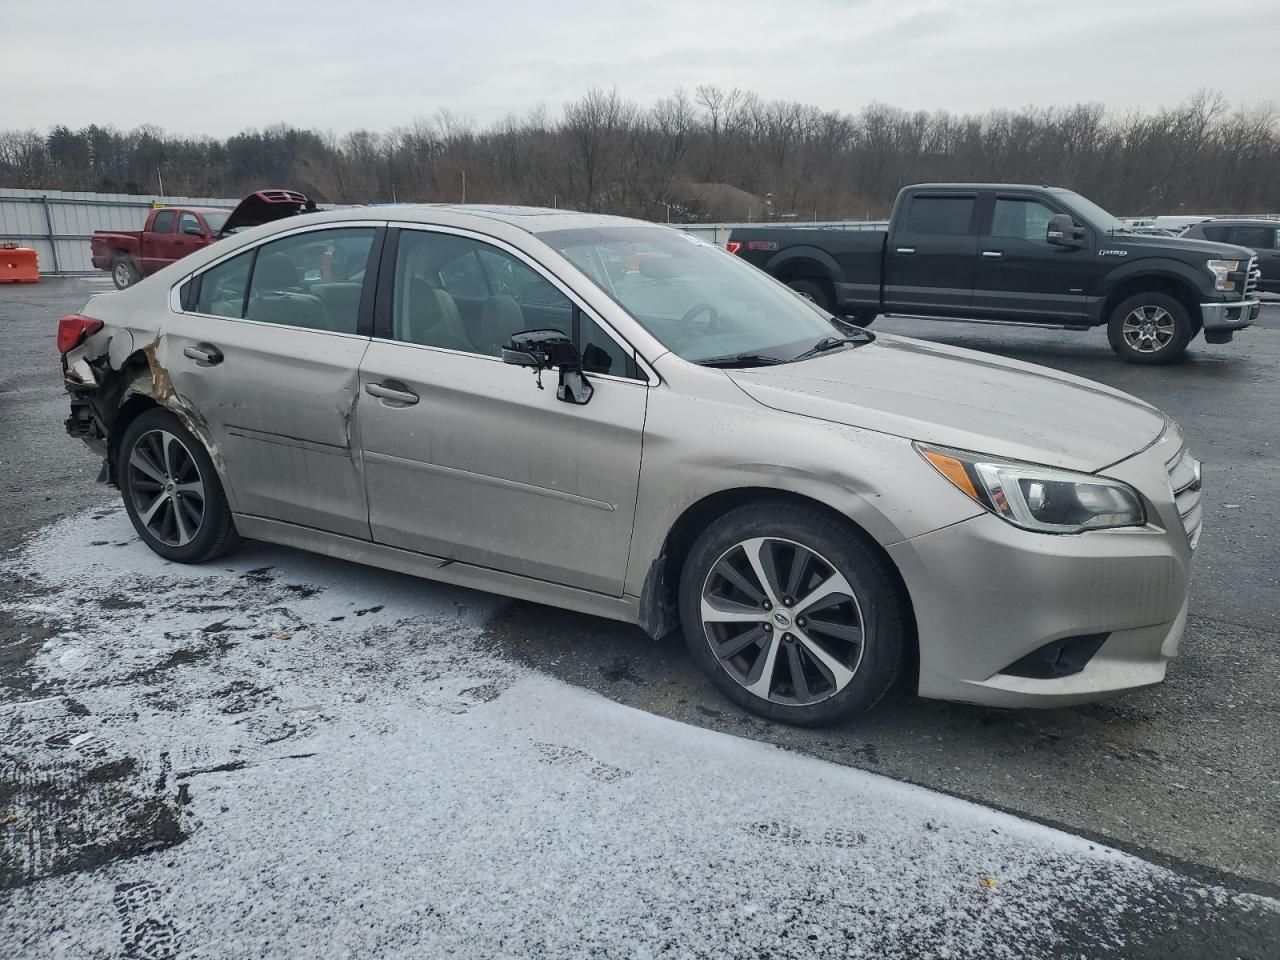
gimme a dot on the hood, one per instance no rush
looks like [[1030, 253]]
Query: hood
[[265, 206], [1188, 247], [963, 399]]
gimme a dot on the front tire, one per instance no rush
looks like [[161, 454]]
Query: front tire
[[813, 291], [1150, 328], [171, 491], [123, 273], [791, 615]]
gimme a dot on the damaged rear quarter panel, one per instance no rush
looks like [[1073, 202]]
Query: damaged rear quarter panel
[[124, 361]]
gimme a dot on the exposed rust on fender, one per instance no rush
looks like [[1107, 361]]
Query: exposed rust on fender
[[162, 387]]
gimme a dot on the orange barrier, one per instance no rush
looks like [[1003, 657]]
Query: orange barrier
[[18, 264]]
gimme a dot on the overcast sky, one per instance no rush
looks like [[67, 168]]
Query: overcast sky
[[220, 66]]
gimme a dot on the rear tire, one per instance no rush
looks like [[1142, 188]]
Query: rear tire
[[814, 291], [861, 319], [171, 491], [836, 647], [1150, 328], [123, 272]]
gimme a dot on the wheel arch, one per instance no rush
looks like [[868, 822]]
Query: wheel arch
[[659, 602], [136, 387], [803, 262], [1170, 284]]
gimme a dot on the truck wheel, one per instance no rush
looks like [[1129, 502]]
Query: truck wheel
[[1150, 328], [791, 615], [123, 272], [861, 319], [812, 291]]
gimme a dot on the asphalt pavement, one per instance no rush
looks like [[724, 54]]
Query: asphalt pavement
[[1185, 775]]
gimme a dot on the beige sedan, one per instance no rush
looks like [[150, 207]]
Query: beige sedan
[[617, 418]]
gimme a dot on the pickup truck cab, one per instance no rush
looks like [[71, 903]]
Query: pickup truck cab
[[171, 233], [1013, 253]]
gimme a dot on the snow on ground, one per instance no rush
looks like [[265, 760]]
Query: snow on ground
[[284, 755]]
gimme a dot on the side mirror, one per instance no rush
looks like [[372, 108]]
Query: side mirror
[[1063, 232], [193, 230], [551, 350]]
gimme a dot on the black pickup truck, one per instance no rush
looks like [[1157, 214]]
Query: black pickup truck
[[1010, 253]]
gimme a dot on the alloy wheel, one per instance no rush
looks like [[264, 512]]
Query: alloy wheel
[[1149, 329], [166, 487], [782, 621], [121, 274]]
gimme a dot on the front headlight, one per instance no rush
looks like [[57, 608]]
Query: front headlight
[[1222, 270], [1043, 499]]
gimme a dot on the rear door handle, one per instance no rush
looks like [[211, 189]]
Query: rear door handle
[[905, 250], [203, 354], [397, 393], [993, 254]]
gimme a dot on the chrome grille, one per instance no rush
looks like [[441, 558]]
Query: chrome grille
[[1251, 280], [1184, 481]]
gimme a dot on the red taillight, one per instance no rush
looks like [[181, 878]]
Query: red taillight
[[733, 246], [73, 330]]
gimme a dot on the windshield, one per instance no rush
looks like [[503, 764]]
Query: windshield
[[701, 302], [1091, 213], [216, 220]]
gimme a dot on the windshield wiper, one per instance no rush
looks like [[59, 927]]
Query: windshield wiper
[[740, 360], [830, 343]]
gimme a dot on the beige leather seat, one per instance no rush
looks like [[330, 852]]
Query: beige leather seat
[[343, 303], [275, 299], [500, 317], [430, 316]]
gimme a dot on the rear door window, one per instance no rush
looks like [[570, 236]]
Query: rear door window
[[1217, 234], [222, 288], [313, 280], [163, 223], [940, 216]]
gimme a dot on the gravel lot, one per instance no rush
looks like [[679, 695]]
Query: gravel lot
[[1184, 775]]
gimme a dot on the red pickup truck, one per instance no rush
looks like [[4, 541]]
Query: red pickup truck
[[171, 233]]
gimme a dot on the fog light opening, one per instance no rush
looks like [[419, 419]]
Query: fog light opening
[[1058, 658]]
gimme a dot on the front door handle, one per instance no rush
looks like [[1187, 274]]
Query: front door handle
[[993, 254], [393, 390], [203, 354], [905, 250]]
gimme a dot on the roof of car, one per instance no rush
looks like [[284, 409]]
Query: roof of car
[[984, 186], [529, 219], [1246, 221]]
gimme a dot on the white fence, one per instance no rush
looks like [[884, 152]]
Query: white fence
[[58, 225]]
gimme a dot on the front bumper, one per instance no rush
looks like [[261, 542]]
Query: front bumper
[[987, 594], [1232, 315]]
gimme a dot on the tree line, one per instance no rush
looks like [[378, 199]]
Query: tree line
[[714, 154]]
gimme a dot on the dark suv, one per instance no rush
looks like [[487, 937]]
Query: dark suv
[[1261, 235]]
